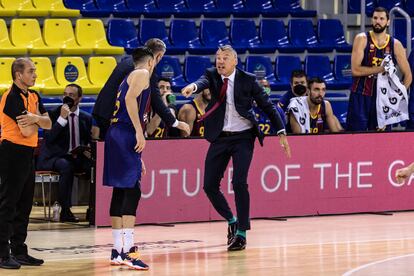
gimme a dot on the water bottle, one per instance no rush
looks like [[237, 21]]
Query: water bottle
[[56, 211]]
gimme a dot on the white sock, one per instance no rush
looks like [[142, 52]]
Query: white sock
[[128, 239], [117, 237]]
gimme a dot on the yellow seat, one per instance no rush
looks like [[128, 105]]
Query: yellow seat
[[24, 8], [72, 70], [6, 79], [99, 69], [46, 82], [26, 33], [7, 12], [91, 33], [59, 33], [6, 47], [55, 8]]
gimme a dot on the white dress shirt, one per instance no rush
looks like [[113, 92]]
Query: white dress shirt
[[232, 119], [63, 122]]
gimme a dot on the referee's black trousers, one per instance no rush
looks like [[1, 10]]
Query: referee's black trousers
[[16, 196]]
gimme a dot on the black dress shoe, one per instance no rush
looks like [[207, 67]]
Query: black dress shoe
[[26, 259], [238, 243], [9, 263], [231, 232], [68, 216]]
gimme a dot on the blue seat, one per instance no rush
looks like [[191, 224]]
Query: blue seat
[[342, 70], [354, 6], [284, 65], [169, 67], [409, 8], [116, 7], [166, 8], [226, 7], [244, 36], [331, 32], [399, 27], [389, 4], [320, 66], [122, 32], [301, 33], [201, 6], [265, 8], [87, 8], [294, 8], [141, 6], [195, 66], [262, 67], [184, 36], [152, 28], [213, 33], [273, 33]]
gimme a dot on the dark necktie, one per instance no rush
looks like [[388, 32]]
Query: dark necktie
[[220, 100], [73, 133]]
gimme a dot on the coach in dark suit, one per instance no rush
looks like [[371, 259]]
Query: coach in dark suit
[[231, 128], [71, 128], [105, 102]]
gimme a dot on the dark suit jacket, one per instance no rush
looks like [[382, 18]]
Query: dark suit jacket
[[56, 140], [105, 102], [246, 89]]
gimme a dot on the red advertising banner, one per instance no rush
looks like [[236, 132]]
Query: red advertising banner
[[327, 174]]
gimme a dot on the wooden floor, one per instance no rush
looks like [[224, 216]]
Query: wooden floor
[[330, 245]]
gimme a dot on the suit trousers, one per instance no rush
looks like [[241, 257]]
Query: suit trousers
[[16, 196], [239, 148]]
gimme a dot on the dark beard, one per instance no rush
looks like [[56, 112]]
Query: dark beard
[[378, 30], [315, 102]]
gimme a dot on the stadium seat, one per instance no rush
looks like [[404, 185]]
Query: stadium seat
[[226, 7], [59, 33], [320, 66], [331, 33], [301, 33], [55, 8], [45, 81], [261, 67], [195, 66], [6, 47], [91, 33], [184, 36], [26, 33], [284, 65], [24, 8], [342, 70], [116, 7], [354, 6], [87, 8], [153, 28], [294, 8], [205, 7], [389, 4], [169, 67], [6, 79], [409, 8], [99, 69], [7, 12], [399, 27], [244, 37], [265, 8], [166, 8], [213, 33], [123, 33], [273, 33], [72, 70]]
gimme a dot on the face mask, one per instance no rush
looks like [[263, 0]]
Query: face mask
[[69, 101], [299, 89]]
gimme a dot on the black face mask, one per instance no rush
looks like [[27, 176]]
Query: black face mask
[[299, 89], [69, 101]]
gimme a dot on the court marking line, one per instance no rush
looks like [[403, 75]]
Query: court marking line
[[350, 272]]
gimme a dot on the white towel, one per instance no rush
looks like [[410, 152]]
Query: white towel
[[299, 107], [392, 98]]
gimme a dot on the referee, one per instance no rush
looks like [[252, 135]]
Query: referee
[[21, 114]]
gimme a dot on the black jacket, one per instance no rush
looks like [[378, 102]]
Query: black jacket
[[246, 89]]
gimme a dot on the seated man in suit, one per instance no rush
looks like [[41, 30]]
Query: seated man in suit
[[71, 128]]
